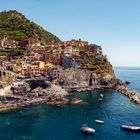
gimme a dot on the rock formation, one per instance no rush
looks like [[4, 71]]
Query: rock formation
[[84, 78]]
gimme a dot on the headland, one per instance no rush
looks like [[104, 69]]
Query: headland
[[44, 69]]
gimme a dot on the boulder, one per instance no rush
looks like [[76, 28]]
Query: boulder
[[127, 82], [76, 101]]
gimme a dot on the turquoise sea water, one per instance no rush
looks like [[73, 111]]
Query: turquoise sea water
[[63, 123]]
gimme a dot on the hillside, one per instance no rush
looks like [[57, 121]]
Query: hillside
[[76, 61], [17, 27]]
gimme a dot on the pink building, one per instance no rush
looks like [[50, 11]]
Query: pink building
[[32, 70]]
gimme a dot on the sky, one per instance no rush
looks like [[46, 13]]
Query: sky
[[113, 24]]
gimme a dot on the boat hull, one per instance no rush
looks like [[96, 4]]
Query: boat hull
[[99, 121], [135, 129], [87, 130]]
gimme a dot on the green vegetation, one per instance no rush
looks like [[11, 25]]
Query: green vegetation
[[15, 26], [101, 60], [97, 63], [3, 53], [12, 52]]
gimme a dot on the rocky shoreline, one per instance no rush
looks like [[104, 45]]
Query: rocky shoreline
[[131, 94], [87, 88], [15, 104], [52, 95], [19, 97]]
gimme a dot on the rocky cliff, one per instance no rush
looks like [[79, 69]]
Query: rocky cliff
[[98, 74], [71, 78]]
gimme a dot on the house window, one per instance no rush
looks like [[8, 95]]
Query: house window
[[4, 74]]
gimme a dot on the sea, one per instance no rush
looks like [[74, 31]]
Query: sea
[[44, 122]]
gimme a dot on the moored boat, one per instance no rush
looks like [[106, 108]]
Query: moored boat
[[99, 121], [101, 95], [131, 128], [87, 130]]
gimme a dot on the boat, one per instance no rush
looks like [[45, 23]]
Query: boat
[[87, 130], [99, 121], [101, 95], [131, 128], [100, 99]]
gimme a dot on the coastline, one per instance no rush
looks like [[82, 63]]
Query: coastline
[[32, 102], [131, 94], [56, 95], [87, 88], [123, 89], [52, 95]]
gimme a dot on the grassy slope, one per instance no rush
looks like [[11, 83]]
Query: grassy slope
[[16, 26]]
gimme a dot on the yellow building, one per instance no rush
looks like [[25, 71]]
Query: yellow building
[[41, 66], [17, 68], [49, 66], [34, 69], [75, 50], [24, 67]]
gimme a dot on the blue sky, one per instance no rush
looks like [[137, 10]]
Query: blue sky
[[113, 24]]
